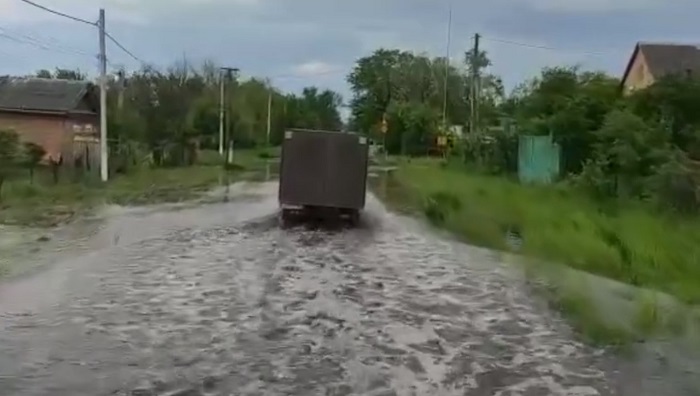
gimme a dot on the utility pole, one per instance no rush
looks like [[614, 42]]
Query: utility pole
[[221, 112], [229, 75], [104, 152], [473, 121], [447, 69]]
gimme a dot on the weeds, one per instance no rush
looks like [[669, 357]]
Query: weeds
[[627, 242], [438, 206], [48, 204]]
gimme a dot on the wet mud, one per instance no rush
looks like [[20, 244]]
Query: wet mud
[[219, 300]]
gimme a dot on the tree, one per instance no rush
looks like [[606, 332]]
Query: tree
[[43, 73], [68, 74], [568, 104], [314, 109], [32, 156], [61, 74], [403, 84], [627, 154], [673, 102], [9, 153], [167, 111]]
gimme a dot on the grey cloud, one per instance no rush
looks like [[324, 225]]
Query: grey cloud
[[271, 37]]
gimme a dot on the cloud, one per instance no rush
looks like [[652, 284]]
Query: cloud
[[315, 68], [306, 38], [593, 5]]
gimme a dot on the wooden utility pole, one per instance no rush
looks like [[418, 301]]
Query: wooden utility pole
[[222, 99]]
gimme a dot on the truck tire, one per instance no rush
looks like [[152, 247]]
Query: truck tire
[[354, 218], [285, 218]]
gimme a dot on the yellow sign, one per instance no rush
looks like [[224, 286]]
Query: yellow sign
[[442, 141]]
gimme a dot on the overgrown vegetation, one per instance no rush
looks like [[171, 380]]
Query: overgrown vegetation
[[625, 205]]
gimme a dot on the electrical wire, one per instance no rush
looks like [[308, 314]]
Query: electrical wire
[[42, 46], [41, 43], [74, 18], [121, 47], [61, 14], [542, 47]]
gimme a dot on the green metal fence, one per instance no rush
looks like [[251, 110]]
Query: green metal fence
[[538, 159]]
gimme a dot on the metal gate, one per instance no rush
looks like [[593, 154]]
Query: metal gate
[[538, 159]]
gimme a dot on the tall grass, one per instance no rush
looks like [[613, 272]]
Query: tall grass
[[628, 243], [44, 203]]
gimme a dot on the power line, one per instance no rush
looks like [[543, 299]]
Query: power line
[[41, 7], [542, 47], [121, 47], [42, 46], [41, 43], [74, 18]]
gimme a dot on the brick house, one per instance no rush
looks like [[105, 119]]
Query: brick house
[[649, 62], [60, 115]]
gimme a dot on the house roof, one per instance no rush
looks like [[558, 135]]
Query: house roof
[[42, 94], [664, 59]]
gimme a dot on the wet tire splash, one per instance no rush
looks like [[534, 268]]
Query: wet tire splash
[[253, 309]]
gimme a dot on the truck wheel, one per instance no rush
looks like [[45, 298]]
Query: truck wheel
[[355, 218], [285, 218]]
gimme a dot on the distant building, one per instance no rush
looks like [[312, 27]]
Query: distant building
[[650, 62], [60, 115]]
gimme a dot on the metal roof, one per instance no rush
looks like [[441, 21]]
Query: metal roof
[[42, 94]]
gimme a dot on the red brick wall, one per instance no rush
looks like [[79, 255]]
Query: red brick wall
[[54, 133]]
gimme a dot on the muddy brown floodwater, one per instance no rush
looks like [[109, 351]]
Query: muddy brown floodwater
[[218, 300]]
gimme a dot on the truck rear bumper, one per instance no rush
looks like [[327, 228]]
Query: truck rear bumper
[[298, 207]]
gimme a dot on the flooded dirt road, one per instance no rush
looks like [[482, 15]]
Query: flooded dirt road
[[218, 300]]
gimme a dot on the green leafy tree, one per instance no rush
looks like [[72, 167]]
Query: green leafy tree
[[403, 84], [167, 112], [568, 104], [43, 73], [62, 74], [32, 156], [9, 155]]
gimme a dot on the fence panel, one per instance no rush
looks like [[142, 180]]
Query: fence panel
[[538, 159]]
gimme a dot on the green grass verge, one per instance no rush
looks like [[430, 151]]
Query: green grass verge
[[629, 244], [48, 204]]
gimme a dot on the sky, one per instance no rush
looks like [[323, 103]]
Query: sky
[[297, 43]]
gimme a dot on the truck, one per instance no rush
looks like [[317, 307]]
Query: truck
[[323, 174]]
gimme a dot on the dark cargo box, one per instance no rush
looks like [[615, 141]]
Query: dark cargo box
[[323, 169]]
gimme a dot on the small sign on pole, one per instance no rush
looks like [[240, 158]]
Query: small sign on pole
[[385, 125]]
